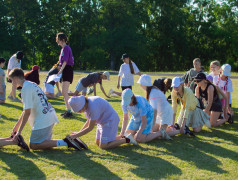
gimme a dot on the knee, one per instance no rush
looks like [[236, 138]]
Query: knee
[[34, 146], [198, 129], [103, 146]]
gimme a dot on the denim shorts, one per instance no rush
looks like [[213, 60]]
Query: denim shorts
[[40, 135], [80, 87]]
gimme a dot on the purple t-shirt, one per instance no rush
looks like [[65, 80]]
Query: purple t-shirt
[[66, 55], [101, 111]]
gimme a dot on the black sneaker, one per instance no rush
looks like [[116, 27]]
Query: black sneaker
[[22, 143], [81, 143], [230, 120], [176, 126], [187, 131], [71, 143], [68, 114], [63, 113]]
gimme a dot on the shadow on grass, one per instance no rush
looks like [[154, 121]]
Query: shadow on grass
[[21, 167], [7, 119], [12, 106], [114, 100], [78, 163]]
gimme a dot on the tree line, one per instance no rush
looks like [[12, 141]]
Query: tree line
[[159, 35]]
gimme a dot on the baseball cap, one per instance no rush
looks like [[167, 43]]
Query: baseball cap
[[126, 96], [145, 80], [106, 73], [200, 76], [35, 67], [226, 69], [77, 103], [124, 56], [19, 54], [176, 81]]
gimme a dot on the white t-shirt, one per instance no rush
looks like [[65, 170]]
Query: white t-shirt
[[213, 75], [125, 72], [221, 85], [159, 102], [42, 113], [13, 63]]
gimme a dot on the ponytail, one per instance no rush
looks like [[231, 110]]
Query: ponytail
[[148, 90], [131, 67]]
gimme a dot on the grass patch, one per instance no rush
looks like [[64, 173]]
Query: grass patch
[[212, 154]]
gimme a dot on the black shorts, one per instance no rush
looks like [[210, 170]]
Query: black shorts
[[216, 106], [125, 87], [68, 74]]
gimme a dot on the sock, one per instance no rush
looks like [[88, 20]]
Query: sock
[[69, 110], [127, 140], [61, 143]]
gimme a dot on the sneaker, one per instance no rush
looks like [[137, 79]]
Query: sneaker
[[58, 94], [67, 114], [81, 143], [187, 131], [89, 91], [16, 100], [176, 126], [110, 92], [230, 120], [10, 97], [132, 140], [71, 143], [63, 113], [165, 135], [22, 143]]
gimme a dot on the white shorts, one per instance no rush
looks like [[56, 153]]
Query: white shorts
[[166, 117], [48, 88]]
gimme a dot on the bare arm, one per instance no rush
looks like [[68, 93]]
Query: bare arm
[[94, 89], [197, 92], [86, 129], [102, 89], [1, 89], [124, 124], [57, 85], [210, 93], [118, 82], [62, 67], [16, 127], [143, 124]]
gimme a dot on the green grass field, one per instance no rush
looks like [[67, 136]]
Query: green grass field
[[212, 154]]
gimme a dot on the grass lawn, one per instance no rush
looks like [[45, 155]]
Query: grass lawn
[[212, 154]]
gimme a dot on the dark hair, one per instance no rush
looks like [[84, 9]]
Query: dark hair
[[33, 76], [61, 36], [19, 55], [130, 62], [148, 90], [167, 84], [134, 101], [2, 60], [196, 60], [16, 72]]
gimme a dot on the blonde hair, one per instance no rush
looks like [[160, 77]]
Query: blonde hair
[[216, 62]]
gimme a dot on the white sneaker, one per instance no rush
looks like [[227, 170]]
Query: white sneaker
[[10, 97], [115, 95], [58, 94], [110, 92], [165, 135], [132, 140], [16, 100]]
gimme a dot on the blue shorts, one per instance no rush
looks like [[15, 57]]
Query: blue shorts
[[79, 87], [40, 135], [135, 124]]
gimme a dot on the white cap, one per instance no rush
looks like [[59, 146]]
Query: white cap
[[106, 73], [226, 69], [77, 103], [176, 81], [145, 80], [126, 96]]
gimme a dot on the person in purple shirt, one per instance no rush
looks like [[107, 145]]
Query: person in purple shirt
[[66, 61], [105, 117]]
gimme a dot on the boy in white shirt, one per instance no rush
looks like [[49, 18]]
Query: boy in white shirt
[[40, 114]]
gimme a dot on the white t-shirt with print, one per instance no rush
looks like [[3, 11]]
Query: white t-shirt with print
[[42, 113], [221, 85], [125, 72], [13, 63]]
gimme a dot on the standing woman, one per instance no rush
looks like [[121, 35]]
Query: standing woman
[[66, 61], [14, 62], [190, 114], [126, 75], [215, 68]]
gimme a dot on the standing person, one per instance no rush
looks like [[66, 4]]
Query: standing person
[[33, 75], [105, 117], [48, 87], [66, 62], [190, 114], [205, 89], [163, 112], [91, 80], [14, 62], [188, 81], [126, 75], [40, 114], [215, 68], [223, 81], [2, 82], [142, 119]]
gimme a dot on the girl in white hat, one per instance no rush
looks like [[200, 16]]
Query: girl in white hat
[[141, 122], [162, 109], [105, 117], [223, 81], [190, 114]]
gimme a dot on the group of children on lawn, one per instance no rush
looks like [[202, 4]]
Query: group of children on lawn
[[205, 100]]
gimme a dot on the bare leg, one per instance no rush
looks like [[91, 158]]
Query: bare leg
[[50, 95], [117, 93], [143, 138], [2, 102], [197, 129], [13, 92], [7, 141], [156, 127], [112, 144], [44, 145], [65, 88], [214, 119]]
